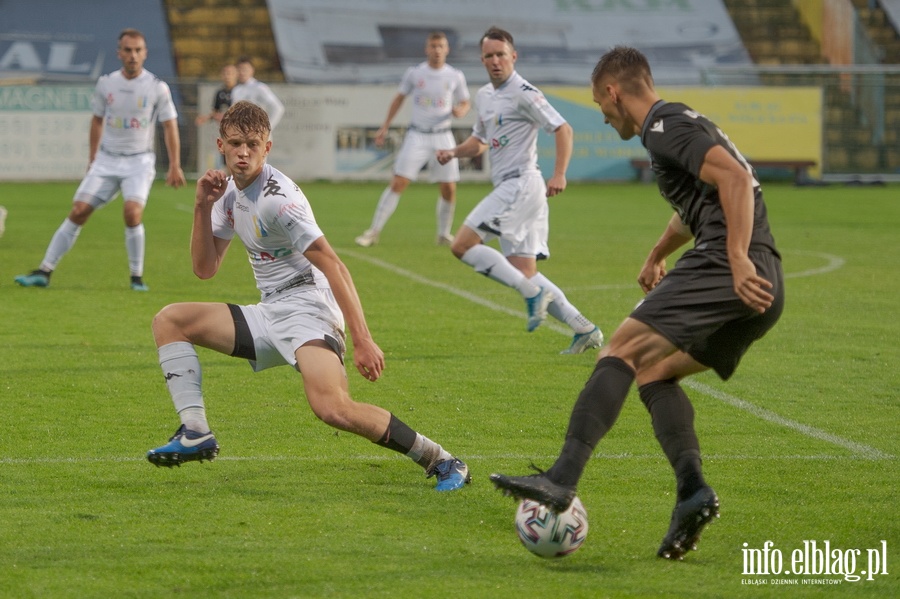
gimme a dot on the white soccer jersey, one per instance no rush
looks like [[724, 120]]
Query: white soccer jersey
[[508, 121], [259, 93], [434, 93], [130, 109], [275, 222]]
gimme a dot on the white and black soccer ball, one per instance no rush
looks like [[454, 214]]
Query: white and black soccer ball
[[551, 535]]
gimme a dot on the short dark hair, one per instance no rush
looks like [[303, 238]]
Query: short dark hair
[[500, 35], [246, 117], [244, 59], [130, 32], [626, 64]]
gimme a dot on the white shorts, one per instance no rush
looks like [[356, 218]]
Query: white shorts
[[280, 327], [517, 213], [109, 174], [418, 149]]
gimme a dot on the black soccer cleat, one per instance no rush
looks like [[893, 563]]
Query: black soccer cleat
[[537, 487], [688, 519]]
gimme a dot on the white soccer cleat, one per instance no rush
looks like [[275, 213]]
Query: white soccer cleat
[[537, 308], [582, 342], [367, 239], [444, 240]]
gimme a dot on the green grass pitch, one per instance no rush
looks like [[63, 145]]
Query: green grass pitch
[[801, 445]]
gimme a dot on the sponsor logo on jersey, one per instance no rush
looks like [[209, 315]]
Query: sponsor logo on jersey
[[115, 122], [269, 256], [499, 142], [425, 101], [272, 188]]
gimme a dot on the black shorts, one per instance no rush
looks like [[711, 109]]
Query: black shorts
[[695, 307]]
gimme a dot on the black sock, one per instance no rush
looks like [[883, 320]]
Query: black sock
[[595, 412], [673, 423], [398, 436]]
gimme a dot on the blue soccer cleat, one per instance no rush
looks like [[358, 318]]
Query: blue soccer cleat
[[185, 446], [36, 278], [582, 342], [451, 474], [537, 308]]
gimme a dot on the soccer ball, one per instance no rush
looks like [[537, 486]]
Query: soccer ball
[[551, 535]]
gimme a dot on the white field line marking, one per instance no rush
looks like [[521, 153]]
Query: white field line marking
[[832, 263], [860, 449], [475, 299]]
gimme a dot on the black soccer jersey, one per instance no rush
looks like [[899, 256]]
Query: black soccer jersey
[[678, 139]]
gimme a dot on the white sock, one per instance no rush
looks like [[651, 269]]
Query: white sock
[[60, 244], [445, 211], [134, 243], [387, 203], [561, 309], [181, 367], [491, 263], [426, 453]]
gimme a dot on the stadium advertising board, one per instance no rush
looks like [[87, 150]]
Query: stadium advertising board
[[766, 123], [44, 131], [328, 130]]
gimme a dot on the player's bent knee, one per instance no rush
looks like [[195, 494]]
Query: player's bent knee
[[168, 324], [335, 412]]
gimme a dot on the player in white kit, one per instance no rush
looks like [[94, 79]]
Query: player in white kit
[[510, 112], [307, 294], [126, 105], [439, 93], [251, 89]]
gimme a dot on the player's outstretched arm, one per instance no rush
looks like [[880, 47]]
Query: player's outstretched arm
[[207, 250], [367, 356]]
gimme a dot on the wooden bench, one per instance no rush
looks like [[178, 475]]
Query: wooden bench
[[799, 167]]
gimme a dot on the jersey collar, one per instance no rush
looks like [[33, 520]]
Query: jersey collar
[[651, 116]]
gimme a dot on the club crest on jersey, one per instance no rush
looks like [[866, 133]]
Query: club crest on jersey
[[260, 229], [657, 126]]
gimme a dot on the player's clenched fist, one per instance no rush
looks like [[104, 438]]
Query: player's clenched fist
[[445, 156], [211, 186]]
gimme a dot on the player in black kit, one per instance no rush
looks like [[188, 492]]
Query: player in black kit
[[721, 296]]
